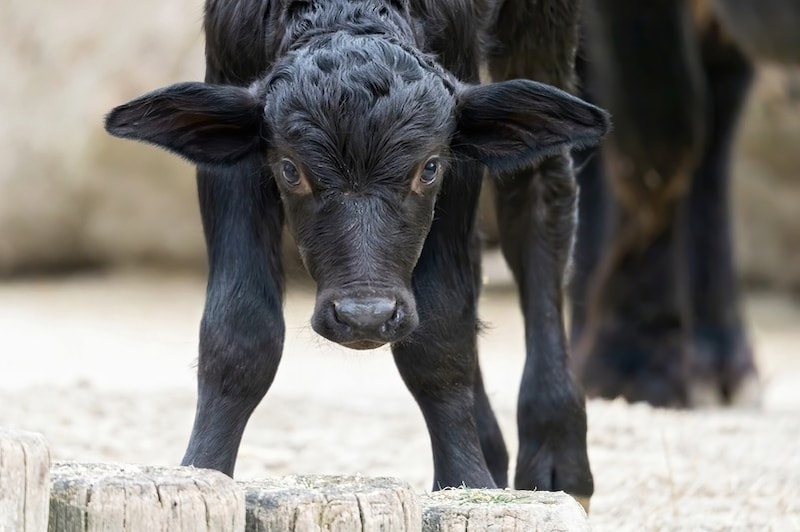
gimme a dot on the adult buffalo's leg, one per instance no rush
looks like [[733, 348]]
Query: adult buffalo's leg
[[722, 366], [646, 71], [438, 361], [242, 331]]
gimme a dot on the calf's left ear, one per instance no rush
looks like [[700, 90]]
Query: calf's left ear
[[512, 125], [207, 124]]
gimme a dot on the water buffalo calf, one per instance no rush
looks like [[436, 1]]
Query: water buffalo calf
[[362, 125]]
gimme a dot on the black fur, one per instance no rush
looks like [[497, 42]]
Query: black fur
[[657, 310], [361, 123]]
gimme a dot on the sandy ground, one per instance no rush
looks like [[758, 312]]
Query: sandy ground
[[103, 366]]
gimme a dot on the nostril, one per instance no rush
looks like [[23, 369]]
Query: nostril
[[337, 313], [396, 316]]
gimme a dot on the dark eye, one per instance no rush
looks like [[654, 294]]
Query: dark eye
[[430, 171], [290, 173]]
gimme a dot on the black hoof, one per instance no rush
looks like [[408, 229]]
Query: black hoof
[[552, 454], [638, 366], [722, 371]]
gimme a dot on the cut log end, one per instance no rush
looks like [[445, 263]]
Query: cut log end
[[98, 497], [342, 503], [458, 510], [24, 481]]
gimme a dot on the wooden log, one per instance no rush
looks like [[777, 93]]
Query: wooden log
[[331, 503], [24, 481], [459, 510], [131, 498]]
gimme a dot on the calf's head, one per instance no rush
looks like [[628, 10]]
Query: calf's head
[[359, 133]]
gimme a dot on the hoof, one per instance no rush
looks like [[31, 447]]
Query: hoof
[[705, 394], [748, 394], [637, 366], [583, 501], [553, 453], [722, 370]]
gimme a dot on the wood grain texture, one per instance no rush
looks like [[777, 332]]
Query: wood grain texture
[[461, 510], [331, 503], [128, 498], [24, 481]]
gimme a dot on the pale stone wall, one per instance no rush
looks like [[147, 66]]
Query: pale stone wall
[[69, 194], [766, 192]]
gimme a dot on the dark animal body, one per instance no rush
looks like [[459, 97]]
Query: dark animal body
[[655, 303], [362, 126]]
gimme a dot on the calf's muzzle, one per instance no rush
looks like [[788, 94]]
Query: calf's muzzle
[[364, 321]]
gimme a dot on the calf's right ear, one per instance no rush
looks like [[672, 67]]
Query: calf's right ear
[[207, 124], [511, 125]]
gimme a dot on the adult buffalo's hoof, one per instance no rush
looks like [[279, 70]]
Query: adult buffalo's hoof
[[635, 365], [721, 369]]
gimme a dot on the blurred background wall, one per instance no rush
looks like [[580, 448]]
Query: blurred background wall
[[70, 195], [73, 197]]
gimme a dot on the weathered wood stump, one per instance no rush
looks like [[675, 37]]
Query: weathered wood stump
[[331, 503], [24, 481], [459, 510], [115, 497]]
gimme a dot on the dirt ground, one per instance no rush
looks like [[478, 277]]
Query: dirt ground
[[103, 366]]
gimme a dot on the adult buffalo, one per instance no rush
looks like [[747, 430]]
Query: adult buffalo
[[656, 314]]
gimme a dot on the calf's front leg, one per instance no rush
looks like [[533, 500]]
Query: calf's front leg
[[242, 331], [438, 361]]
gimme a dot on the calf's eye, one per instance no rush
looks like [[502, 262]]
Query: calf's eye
[[290, 173], [430, 172]]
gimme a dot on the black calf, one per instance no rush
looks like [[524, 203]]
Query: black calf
[[360, 122]]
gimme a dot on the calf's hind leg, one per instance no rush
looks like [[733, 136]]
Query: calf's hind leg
[[242, 331], [536, 219]]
